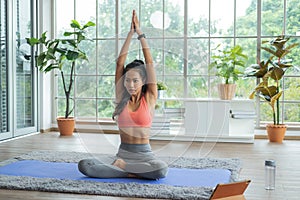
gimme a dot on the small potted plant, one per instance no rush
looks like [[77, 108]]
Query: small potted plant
[[161, 87], [63, 54], [229, 64], [270, 72]]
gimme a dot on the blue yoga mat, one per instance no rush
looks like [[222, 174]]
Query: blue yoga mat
[[59, 170]]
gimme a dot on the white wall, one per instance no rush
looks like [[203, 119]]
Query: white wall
[[45, 80]]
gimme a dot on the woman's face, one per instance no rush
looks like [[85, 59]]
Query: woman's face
[[133, 82]]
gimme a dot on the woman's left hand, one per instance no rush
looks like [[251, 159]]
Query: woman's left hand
[[136, 23]]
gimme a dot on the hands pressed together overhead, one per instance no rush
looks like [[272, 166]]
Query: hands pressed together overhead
[[135, 25]]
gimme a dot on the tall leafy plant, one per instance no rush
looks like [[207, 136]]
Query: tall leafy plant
[[62, 54], [271, 71]]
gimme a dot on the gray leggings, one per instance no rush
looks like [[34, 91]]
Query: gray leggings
[[139, 159]]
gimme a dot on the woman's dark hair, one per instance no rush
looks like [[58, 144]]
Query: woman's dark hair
[[139, 66]]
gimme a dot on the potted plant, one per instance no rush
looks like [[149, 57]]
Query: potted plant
[[270, 72], [161, 87], [228, 64], [63, 54]]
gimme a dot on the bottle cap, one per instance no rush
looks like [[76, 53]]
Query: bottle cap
[[270, 163]]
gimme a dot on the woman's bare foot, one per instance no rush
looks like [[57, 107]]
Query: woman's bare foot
[[132, 176], [120, 163]]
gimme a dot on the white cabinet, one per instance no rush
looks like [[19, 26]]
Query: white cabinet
[[219, 120], [206, 117]]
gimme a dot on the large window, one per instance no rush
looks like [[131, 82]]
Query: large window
[[181, 34]]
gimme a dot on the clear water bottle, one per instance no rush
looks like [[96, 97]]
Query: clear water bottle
[[270, 170]]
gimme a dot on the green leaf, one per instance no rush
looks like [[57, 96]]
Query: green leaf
[[80, 38], [276, 73], [50, 56], [252, 95], [89, 24], [274, 99], [75, 24], [62, 51], [72, 55], [51, 67], [267, 92], [72, 42], [269, 50], [43, 38], [32, 41], [68, 33], [40, 59]]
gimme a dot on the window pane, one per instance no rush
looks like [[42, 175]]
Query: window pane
[[106, 86], [272, 17], [173, 104], [291, 88], [159, 67], [83, 66], [244, 87], [198, 56], [266, 115], [61, 106], [176, 85], [222, 42], [198, 16], [106, 57], [175, 11], [292, 26], [152, 18], [213, 87], [222, 22], [294, 55], [291, 112], [246, 22], [157, 51], [249, 46], [63, 18], [126, 8], [86, 11], [106, 17], [197, 87], [174, 58], [86, 109], [86, 86], [24, 70], [105, 108]]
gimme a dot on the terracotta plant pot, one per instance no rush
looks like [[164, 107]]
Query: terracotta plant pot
[[226, 91], [276, 133], [65, 126]]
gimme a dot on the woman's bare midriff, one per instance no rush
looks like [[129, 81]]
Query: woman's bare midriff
[[135, 135]]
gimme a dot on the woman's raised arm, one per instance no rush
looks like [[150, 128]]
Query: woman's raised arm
[[151, 76], [120, 65]]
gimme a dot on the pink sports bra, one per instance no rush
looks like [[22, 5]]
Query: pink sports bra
[[139, 118]]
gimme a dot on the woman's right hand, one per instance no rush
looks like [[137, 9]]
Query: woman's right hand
[[132, 25], [135, 23]]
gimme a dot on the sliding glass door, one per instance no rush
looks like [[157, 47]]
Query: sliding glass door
[[18, 100], [25, 82], [4, 122]]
